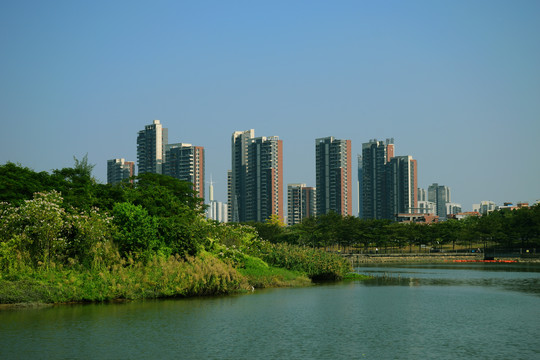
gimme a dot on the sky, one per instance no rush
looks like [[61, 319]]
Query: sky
[[455, 83]]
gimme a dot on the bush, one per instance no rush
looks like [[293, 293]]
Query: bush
[[316, 263], [137, 232]]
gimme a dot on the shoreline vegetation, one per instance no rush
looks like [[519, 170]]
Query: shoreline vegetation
[[437, 258], [64, 238]]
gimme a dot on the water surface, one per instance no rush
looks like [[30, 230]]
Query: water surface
[[465, 311]]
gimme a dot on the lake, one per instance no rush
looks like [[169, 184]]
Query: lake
[[454, 311]]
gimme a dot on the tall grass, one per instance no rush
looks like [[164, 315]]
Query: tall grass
[[158, 278], [317, 264], [260, 275]]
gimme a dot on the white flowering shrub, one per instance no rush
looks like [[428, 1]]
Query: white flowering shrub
[[33, 230], [86, 233]]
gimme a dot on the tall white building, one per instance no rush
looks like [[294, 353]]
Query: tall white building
[[151, 148], [216, 209], [422, 194]]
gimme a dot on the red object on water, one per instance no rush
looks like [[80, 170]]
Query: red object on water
[[487, 261]]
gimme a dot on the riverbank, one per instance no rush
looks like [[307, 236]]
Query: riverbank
[[356, 259]]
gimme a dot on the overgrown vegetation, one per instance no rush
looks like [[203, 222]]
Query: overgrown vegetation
[[64, 237]]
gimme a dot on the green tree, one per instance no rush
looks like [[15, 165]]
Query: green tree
[[18, 183], [137, 231]]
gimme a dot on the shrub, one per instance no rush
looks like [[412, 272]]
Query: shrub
[[136, 230], [317, 264]]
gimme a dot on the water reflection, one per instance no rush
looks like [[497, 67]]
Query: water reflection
[[404, 312], [512, 277]]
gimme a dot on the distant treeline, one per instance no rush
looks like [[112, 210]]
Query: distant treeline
[[504, 228]]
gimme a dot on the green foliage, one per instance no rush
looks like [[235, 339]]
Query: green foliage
[[137, 232], [160, 277], [34, 228], [260, 275], [85, 233], [163, 195], [19, 183], [317, 264], [516, 228]]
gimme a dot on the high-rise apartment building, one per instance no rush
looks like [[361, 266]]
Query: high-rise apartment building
[[186, 162], [231, 216], [401, 186], [151, 148], [118, 170], [389, 182], [360, 188], [375, 155], [333, 174], [301, 203], [440, 195], [256, 178]]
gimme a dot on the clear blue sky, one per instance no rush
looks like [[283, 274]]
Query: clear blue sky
[[455, 83]]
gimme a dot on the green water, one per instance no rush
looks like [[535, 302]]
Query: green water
[[407, 312]]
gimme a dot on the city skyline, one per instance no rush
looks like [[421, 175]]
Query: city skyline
[[456, 84]]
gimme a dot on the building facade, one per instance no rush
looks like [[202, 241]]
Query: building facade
[[440, 195], [301, 203], [256, 178], [452, 209], [401, 186], [360, 187], [426, 207], [186, 162], [375, 156], [333, 175], [485, 207], [422, 196], [119, 170], [151, 144], [217, 211]]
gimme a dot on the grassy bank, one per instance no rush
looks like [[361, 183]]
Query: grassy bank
[[166, 277], [160, 277]]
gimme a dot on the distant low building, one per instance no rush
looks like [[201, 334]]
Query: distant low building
[[511, 206], [485, 207], [452, 209], [463, 215], [426, 207], [417, 218]]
